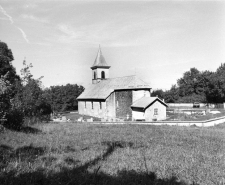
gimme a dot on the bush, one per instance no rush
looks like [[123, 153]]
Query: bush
[[15, 118]]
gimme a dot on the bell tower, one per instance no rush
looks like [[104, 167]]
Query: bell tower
[[100, 69]]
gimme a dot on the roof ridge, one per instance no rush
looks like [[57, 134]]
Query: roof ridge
[[121, 77]]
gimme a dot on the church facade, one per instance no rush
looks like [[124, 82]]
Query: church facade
[[111, 98]]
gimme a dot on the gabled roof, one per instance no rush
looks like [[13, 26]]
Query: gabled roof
[[104, 88], [100, 60], [146, 102]]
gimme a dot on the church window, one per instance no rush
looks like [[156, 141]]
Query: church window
[[92, 105], [103, 74], [100, 104], [94, 75], [155, 111]]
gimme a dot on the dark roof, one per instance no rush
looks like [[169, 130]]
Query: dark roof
[[104, 88], [146, 102], [100, 60]]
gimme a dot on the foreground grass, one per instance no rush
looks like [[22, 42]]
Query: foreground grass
[[69, 153]]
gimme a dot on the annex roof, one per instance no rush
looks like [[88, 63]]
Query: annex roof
[[100, 60], [146, 102], [104, 88]]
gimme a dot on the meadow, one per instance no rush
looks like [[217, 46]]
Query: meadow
[[81, 153]]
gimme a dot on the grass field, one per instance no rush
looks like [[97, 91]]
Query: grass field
[[69, 153]]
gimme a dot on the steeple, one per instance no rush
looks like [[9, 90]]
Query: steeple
[[100, 61], [100, 69]]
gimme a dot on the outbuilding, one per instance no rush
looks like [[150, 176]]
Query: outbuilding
[[149, 109]]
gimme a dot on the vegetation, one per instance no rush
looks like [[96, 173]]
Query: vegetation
[[196, 86], [23, 99], [63, 98], [69, 153]]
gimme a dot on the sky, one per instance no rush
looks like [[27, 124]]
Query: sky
[[156, 40]]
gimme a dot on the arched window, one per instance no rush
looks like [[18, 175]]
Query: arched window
[[103, 75], [94, 75]]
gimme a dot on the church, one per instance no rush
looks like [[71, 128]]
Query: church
[[123, 98]]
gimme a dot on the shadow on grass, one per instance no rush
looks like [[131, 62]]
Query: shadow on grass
[[24, 129], [29, 130], [25, 153], [81, 175]]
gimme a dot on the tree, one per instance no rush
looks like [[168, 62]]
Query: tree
[[172, 95], [215, 92], [4, 98], [6, 58], [159, 93], [29, 97], [63, 98], [8, 79]]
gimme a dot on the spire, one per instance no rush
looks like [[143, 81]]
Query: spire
[[100, 60]]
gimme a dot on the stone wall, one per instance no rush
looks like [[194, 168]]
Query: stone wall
[[123, 100]]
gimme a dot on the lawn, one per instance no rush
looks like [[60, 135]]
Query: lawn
[[70, 153]]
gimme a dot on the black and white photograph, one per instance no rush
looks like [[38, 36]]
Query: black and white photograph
[[112, 92]]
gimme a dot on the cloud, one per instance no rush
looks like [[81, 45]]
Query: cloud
[[7, 15], [33, 18], [31, 5], [12, 22], [69, 34], [24, 35]]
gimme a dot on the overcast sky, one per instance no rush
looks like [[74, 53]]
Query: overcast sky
[[156, 40]]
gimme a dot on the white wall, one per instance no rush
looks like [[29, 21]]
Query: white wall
[[96, 111], [149, 112], [98, 72], [139, 94], [137, 115]]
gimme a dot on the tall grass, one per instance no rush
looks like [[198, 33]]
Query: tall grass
[[68, 153]]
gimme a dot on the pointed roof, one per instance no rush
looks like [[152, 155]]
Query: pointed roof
[[100, 61], [145, 102], [104, 88]]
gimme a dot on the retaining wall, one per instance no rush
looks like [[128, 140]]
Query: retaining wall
[[207, 123]]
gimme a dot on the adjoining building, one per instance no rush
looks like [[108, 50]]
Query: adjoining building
[[148, 109], [112, 98]]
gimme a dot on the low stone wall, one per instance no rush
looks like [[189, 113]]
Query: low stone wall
[[207, 123], [190, 105]]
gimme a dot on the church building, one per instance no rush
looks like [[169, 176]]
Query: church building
[[113, 98]]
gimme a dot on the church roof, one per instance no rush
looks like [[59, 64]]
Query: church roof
[[100, 60], [104, 88], [146, 102]]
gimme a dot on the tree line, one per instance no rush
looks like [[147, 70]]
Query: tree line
[[23, 98], [196, 86]]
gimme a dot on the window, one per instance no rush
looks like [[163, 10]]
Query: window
[[100, 104], [92, 106], [103, 74], [156, 111], [117, 104], [85, 105], [94, 75]]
